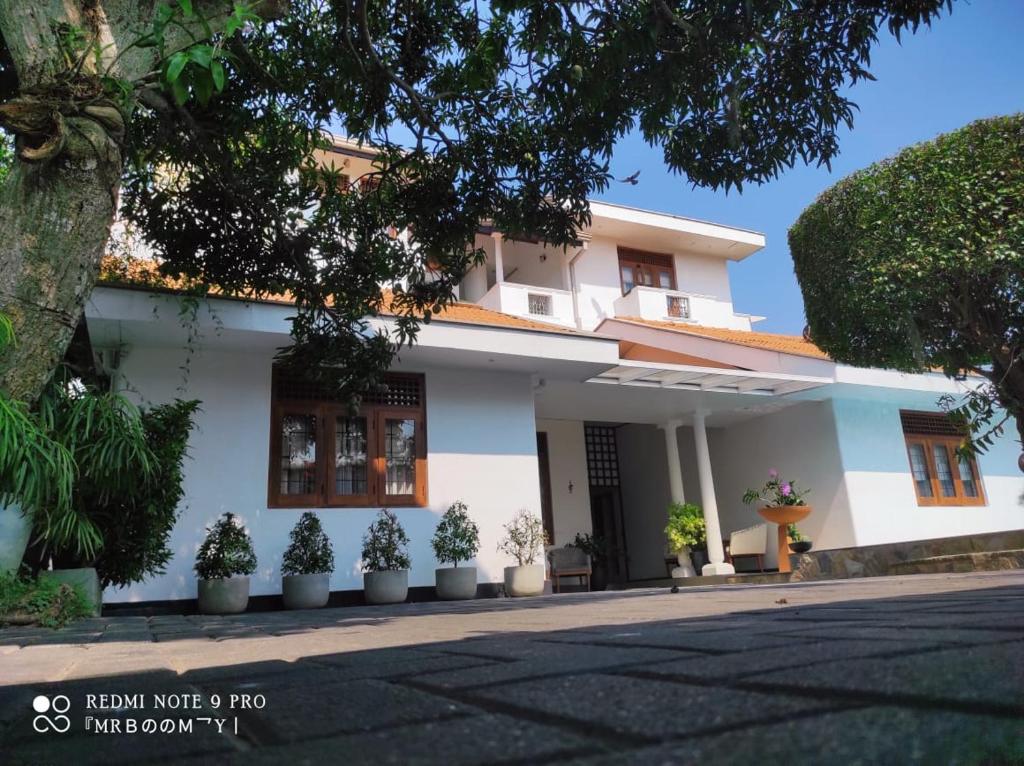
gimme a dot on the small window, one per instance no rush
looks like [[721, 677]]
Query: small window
[[677, 306], [941, 476], [539, 304], [323, 455]]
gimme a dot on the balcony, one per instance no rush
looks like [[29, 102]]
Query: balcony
[[542, 304], [663, 305]]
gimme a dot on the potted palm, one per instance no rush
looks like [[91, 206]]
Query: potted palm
[[784, 504], [307, 565], [385, 561], [524, 539], [455, 539], [223, 564], [798, 543], [686, 534]]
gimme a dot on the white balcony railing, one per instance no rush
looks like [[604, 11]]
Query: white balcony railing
[[543, 304], [676, 306]]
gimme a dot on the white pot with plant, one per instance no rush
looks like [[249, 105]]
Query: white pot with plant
[[307, 565], [385, 561], [456, 539], [685, 533], [524, 541], [223, 564]]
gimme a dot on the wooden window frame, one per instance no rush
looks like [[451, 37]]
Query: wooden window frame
[[642, 261], [326, 413], [928, 442]]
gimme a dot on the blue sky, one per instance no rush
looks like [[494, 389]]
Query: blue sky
[[968, 65]]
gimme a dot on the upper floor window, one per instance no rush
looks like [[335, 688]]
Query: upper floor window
[[637, 267], [941, 476], [324, 455]]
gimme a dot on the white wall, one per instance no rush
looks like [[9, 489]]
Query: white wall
[[643, 470], [881, 489], [568, 464], [800, 442], [481, 445]]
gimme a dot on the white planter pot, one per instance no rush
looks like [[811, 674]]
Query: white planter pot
[[685, 568], [225, 595], [306, 591], [15, 529], [386, 587], [455, 583], [85, 579], [527, 580]]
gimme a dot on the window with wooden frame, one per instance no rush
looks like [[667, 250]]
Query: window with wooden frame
[[324, 455], [637, 267], [941, 476]]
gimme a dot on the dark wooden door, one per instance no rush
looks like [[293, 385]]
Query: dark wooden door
[[544, 468]]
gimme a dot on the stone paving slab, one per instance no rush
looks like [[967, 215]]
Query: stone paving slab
[[924, 669]]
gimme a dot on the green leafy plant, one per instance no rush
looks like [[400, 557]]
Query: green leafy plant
[[226, 551], [595, 547], [385, 544], [685, 528], [776, 492], [794, 534], [915, 263], [310, 550], [41, 602], [524, 538], [457, 537]]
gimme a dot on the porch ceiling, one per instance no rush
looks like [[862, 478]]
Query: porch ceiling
[[693, 378]]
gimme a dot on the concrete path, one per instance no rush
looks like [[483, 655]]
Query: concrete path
[[923, 669]]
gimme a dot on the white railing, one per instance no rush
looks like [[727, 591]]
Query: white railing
[[677, 306], [544, 304]]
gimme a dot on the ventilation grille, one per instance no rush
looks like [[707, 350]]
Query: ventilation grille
[[650, 259], [602, 456], [399, 390], [928, 424]]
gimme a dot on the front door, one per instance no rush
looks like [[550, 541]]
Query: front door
[[606, 503]]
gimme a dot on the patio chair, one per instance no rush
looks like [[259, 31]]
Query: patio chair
[[752, 541], [569, 561]]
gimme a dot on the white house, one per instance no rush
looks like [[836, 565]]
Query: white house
[[591, 386]]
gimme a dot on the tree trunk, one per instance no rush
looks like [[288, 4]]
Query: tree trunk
[[58, 202]]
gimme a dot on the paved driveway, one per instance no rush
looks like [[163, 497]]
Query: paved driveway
[[926, 669]]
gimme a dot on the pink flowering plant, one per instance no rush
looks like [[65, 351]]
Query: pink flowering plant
[[776, 492]]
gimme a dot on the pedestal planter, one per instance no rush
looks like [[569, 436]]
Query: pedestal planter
[[85, 579], [455, 583], [527, 580], [306, 591], [386, 587], [226, 595], [15, 529], [783, 515]]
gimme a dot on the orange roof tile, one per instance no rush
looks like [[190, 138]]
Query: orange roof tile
[[783, 344], [142, 273]]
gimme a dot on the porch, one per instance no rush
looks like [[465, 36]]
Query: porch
[[617, 449]]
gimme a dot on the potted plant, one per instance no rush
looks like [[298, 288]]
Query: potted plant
[[797, 542], [784, 505], [385, 561], [456, 539], [596, 548], [307, 565], [686, 533], [524, 539], [223, 564]]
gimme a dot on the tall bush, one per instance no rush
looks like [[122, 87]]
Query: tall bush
[[385, 544], [457, 537], [524, 538], [310, 550], [226, 551]]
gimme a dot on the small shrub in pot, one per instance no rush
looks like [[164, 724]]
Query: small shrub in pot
[[456, 539], [385, 560], [307, 565], [524, 541], [223, 564]]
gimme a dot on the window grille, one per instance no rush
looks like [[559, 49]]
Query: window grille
[[928, 424], [398, 390], [539, 304], [677, 306]]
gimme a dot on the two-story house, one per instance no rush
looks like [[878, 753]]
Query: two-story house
[[591, 386]]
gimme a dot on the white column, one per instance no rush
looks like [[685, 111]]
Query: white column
[[499, 264], [675, 470], [716, 554]]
